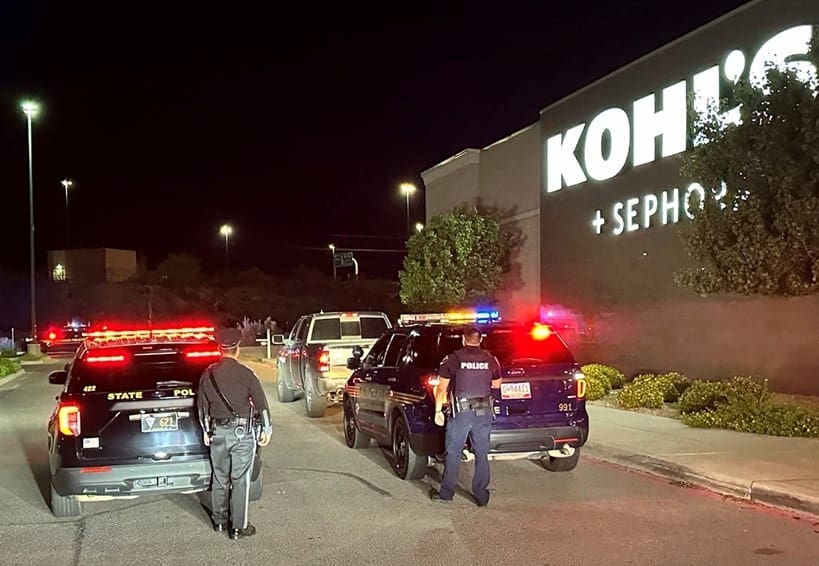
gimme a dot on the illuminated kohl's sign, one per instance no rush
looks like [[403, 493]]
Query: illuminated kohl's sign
[[600, 150]]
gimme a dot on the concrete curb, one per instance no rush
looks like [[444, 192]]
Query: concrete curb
[[11, 377], [741, 489]]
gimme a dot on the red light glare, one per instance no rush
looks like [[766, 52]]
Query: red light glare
[[203, 354], [119, 358], [52, 335], [541, 332]]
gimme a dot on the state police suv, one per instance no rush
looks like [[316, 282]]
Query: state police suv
[[541, 413], [125, 423]]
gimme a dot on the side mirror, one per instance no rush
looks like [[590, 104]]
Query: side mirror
[[353, 363], [278, 339], [58, 377]]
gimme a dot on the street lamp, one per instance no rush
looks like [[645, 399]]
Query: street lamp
[[333, 253], [408, 189], [418, 226], [66, 183], [30, 109], [226, 231]]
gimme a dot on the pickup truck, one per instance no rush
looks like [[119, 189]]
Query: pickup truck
[[312, 359]]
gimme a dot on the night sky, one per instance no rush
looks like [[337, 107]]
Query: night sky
[[295, 125]]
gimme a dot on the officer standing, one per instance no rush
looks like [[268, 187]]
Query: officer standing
[[230, 400], [475, 372]]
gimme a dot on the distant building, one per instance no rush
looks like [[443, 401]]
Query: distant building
[[97, 265]]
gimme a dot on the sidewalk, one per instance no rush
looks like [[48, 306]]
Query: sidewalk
[[773, 470]]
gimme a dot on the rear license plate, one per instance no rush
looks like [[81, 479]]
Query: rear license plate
[[159, 422], [516, 390]]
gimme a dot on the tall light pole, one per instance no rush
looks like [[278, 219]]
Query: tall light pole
[[226, 231], [333, 255], [30, 109], [408, 189], [67, 183], [419, 227]]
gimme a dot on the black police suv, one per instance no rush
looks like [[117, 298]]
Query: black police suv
[[63, 340], [126, 422], [540, 412]]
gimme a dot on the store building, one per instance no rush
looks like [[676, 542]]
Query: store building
[[595, 188], [95, 265]]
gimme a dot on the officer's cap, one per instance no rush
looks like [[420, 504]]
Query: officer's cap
[[228, 338]]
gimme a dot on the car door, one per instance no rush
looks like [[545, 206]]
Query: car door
[[371, 396], [299, 357], [292, 354], [384, 384]]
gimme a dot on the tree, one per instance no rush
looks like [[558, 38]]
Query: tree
[[458, 259], [756, 231], [180, 270]]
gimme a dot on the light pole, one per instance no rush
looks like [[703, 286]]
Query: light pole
[[418, 227], [30, 109], [226, 231], [408, 189], [333, 254], [66, 183]]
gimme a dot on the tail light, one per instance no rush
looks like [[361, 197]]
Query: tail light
[[68, 417], [214, 354], [580, 380], [431, 383], [52, 335], [541, 332], [106, 359], [324, 361]]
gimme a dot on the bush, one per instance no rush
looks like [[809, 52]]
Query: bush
[[681, 384], [703, 396], [596, 386], [8, 367], [647, 390], [615, 377]]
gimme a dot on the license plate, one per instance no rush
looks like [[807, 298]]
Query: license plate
[[516, 390], [159, 422]]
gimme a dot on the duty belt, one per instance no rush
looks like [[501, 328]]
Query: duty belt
[[473, 403], [230, 421]]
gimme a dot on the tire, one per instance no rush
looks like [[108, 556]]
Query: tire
[[64, 506], [561, 464], [408, 464], [352, 434], [315, 404], [284, 393], [256, 487]]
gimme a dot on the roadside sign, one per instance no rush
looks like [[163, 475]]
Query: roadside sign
[[343, 259]]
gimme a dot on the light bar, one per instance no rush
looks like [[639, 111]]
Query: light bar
[[450, 317], [197, 331]]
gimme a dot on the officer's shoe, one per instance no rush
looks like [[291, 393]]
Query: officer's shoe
[[248, 531], [220, 527], [436, 497]]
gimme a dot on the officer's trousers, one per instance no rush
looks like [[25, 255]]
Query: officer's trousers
[[232, 462], [476, 427]]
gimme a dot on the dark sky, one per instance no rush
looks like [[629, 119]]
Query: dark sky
[[296, 125]]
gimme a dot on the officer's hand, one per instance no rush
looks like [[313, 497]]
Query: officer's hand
[[206, 437], [264, 439], [439, 418]]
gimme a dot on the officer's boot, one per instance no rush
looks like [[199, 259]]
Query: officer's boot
[[248, 531]]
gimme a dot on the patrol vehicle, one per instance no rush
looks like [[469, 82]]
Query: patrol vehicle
[[63, 340], [126, 422], [540, 413]]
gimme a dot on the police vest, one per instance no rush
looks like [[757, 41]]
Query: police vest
[[473, 376]]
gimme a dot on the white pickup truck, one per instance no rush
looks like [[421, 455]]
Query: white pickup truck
[[312, 359]]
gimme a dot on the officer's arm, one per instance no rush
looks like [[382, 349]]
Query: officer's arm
[[202, 405], [497, 377], [442, 389], [260, 402]]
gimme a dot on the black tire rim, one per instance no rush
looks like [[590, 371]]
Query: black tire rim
[[400, 448], [349, 426]]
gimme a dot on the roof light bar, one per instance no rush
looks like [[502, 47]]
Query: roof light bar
[[450, 317]]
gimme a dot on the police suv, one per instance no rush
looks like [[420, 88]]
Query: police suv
[[541, 412], [126, 423]]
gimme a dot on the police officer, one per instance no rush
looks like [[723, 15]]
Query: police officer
[[231, 401], [474, 372]]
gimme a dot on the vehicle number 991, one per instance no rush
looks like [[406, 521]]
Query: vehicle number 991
[[564, 407]]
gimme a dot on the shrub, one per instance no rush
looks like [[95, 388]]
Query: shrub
[[8, 367], [596, 386], [702, 396], [615, 377], [681, 384], [647, 390]]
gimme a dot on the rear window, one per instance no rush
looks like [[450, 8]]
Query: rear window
[[428, 350], [368, 327], [153, 373], [517, 346]]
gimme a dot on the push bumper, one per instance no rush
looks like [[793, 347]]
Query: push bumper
[[134, 480]]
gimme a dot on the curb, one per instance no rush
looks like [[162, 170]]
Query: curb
[[11, 377], [740, 489]]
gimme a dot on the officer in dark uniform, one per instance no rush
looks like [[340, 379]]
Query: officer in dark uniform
[[234, 414], [474, 372]]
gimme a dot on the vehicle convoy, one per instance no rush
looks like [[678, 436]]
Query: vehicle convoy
[[126, 423], [312, 361], [540, 413]]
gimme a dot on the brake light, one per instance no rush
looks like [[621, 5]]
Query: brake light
[[52, 335], [541, 332], [68, 417], [431, 383], [113, 359], [203, 354], [95, 470], [324, 361], [580, 379]]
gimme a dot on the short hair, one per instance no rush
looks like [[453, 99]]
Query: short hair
[[472, 335]]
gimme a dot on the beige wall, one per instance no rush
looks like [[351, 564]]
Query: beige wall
[[120, 265], [451, 183], [95, 264]]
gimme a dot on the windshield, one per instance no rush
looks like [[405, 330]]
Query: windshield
[[159, 371]]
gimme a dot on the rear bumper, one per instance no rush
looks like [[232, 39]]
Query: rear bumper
[[332, 387], [531, 440], [140, 479]]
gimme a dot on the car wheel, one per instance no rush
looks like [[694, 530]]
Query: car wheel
[[315, 404], [64, 506], [352, 434], [408, 464], [561, 464], [256, 488], [284, 393]]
